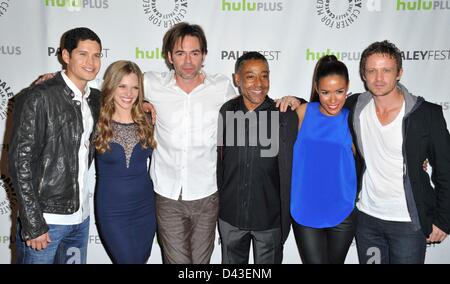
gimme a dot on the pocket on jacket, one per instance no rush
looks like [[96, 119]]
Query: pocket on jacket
[[61, 122]]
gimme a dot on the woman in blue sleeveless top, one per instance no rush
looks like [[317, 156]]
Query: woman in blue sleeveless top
[[125, 200], [324, 181]]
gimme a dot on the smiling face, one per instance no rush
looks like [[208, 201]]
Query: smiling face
[[332, 90], [381, 74], [126, 93], [253, 82], [83, 63]]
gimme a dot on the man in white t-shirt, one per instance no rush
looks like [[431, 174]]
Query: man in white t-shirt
[[398, 209]]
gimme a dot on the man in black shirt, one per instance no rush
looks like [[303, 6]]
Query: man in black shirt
[[254, 168]]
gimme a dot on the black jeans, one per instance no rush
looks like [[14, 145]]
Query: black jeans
[[325, 245], [267, 245]]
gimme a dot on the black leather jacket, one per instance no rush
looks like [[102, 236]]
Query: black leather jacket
[[43, 154]]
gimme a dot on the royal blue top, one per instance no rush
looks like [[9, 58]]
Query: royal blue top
[[323, 187]]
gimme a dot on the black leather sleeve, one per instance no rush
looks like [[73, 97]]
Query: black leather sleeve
[[26, 143]]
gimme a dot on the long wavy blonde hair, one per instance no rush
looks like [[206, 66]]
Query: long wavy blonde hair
[[113, 75]]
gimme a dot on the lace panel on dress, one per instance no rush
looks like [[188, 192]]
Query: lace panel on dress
[[126, 136]]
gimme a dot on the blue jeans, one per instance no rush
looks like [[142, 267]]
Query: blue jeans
[[388, 242], [68, 246]]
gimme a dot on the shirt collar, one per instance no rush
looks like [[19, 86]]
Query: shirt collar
[[170, 79], [74, 88], [265, 105]]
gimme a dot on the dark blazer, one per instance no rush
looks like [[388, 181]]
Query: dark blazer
[[425, 136], [287, 136]]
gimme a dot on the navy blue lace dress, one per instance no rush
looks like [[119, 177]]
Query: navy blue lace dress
[[124, 198]]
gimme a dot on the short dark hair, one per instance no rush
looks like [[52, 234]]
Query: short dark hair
[[180, 31], [72, 37], [251, 55], [326, 66], [380, 47]]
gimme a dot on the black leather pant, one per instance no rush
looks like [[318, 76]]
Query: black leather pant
[[325, 245]]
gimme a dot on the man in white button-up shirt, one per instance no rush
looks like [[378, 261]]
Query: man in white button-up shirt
[[183, 167]]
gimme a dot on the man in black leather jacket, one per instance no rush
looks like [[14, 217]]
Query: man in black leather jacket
[[50, 154]]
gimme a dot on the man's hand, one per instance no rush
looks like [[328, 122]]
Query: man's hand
[[436, 236], [43, 78], [425, 165], [287, 101], [40, 242], [148, 107]]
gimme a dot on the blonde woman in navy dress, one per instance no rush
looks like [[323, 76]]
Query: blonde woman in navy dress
[[124, 201], [324, 181]]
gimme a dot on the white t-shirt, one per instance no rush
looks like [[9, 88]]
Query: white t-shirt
[[383, 194]]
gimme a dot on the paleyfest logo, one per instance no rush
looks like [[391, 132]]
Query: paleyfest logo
[[5, 94], [165, 13], [8, 198], [338, 14], [4, 5]]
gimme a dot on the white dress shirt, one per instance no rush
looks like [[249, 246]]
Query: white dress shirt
[[185, 158], [83, 161]]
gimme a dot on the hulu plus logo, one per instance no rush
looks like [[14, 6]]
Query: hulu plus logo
[[251, 6], [422, 5], [313, 55], [148, 54], [77, 5]]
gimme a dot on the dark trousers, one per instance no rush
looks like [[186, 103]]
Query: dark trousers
[[186, 229], [267, 245], [325, 245], [379, 241]]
